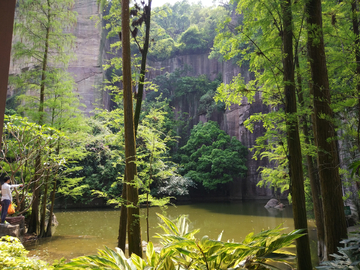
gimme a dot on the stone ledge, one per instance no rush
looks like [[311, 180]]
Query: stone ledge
[[8, 229]]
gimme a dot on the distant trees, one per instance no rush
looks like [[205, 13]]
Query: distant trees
[[183, 28], [211, 157]]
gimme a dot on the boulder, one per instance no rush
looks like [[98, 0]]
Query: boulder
[[19, 220], [272, 203], [8, 229]]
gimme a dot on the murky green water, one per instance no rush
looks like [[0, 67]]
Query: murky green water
[[84, 232]]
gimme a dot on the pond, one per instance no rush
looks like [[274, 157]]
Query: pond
[[83, 232]]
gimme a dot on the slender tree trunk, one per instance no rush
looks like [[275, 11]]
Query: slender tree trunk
[[123, 212], [34, 218], [316, 197], [123, 218], [7, 10], [295, 156], [331, 189], [43, 207], [134, 233], [312, 172], [145, 49], [48, 232], [355, 23]]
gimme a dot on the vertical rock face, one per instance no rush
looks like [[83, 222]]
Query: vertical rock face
[[233, 124], [199, 64], [86, 68], [232, 120]]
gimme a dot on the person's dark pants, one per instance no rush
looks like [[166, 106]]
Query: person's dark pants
[[4, 209]]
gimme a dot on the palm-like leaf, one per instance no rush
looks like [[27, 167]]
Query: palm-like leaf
[[106, 259]]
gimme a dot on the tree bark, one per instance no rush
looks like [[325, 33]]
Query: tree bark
[[7, 11], [123, 218], [324, 132], [134, 233], [312, 172], [139, 98], [295, 156], [355, 23], [144, 52], [49, 225], [43, 207]]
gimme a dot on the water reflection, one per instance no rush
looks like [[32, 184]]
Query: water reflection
[[84, 232]]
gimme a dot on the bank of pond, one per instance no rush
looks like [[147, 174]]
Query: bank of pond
[[83, 232]]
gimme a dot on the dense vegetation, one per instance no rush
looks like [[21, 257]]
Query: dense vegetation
[[183, 28], [211, 157], [304, 62]]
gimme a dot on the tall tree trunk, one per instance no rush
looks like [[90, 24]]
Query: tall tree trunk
[[43, 207], [295, 156], [48, 232], [328, 165], [34, 218], [312, 172], [144, 50], [355, 23], [123, 218], [7, 10], [316, 197], [134, 233]]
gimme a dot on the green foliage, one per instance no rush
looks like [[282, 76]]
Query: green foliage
[[39, 16], [101, 166], [183, 28], [181, 250], [192, 41], [13, 255], [178, 84], [43, 55], [21, 142], [211, 157], [348, 256], [155, 167]]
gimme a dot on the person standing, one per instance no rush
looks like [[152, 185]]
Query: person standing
[[6, 197]]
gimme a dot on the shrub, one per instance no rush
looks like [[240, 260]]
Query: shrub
[[211, 157], [13, 256], [348, 257]]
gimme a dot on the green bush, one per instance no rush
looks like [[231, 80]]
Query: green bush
[[193, 41], [211, 157], [13, 256], [348, 257]]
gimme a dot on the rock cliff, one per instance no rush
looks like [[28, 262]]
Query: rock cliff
[[232, 120], [91, 53]]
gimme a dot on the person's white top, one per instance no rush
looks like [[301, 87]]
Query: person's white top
[[6, 191]]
